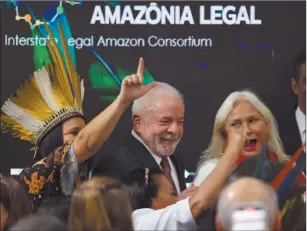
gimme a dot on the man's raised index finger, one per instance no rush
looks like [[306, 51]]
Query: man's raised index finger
[[140, 71]]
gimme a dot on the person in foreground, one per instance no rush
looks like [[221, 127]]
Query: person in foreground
[[242, 110], [154, 202], [248, 204], [291, 200], [101, 203], [14, 203], [158, 118], [47, 111], [39, 223]]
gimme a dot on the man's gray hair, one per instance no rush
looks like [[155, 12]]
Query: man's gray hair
[[268, 198], [149, 99]]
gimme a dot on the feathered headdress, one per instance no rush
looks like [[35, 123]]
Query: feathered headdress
[[48, 97]]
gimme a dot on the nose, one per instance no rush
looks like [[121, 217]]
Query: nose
[[246, 129], [175, 128]]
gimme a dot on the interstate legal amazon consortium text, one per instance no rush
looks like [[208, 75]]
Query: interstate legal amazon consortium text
[[104, 41]]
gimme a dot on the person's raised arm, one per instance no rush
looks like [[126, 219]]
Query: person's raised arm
[[209, 189], [96, 132]]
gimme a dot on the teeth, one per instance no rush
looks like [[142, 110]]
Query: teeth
[[168, 139]]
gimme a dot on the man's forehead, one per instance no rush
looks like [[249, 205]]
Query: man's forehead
[[164, 114], [166, 104]]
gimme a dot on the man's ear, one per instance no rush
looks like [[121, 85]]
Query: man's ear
[[294, 86], [136, 120], [218, 224], [154, 204]]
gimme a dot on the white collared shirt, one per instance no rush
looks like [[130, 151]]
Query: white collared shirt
[[301, 123], [177, 216], [158, 160]]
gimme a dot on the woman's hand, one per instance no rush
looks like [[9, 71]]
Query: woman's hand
[[235, 142]]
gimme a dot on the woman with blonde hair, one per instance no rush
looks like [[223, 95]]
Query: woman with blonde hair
[[100, 204], [241, 111]]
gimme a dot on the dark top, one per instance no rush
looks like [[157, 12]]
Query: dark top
[[132, 155]]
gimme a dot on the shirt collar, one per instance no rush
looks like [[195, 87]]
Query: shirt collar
[[157, 158], [301, 120]]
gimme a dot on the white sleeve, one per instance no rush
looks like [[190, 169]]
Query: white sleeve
[[204, 171], [69, 171], [174, 217]]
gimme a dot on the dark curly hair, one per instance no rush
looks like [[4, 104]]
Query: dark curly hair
[[141, 192]]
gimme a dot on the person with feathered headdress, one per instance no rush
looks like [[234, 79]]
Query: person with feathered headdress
[[47, 112]]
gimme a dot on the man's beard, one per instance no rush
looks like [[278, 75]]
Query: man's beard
[[161, 148]]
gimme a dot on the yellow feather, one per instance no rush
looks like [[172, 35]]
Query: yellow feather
[[29, 98], [10, 125], [60, 98], [73, 76], [56, 75], [62, 77], [66, 52]]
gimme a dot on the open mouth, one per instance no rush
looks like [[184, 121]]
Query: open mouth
[[250, 144]]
